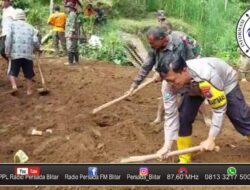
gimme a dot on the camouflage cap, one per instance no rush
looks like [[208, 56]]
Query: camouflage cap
[[160, 14]]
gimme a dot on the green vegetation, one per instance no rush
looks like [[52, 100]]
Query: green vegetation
[[128, 9], [112, 46], [215, 22], [211, 22]]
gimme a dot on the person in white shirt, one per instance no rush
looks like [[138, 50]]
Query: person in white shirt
[[7, 18], [198, 79]]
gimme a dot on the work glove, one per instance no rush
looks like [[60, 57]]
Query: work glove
[[208, 144], [162, 153]]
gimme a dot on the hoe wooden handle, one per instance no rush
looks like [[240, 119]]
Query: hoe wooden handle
[[155, 156], [149, 81]]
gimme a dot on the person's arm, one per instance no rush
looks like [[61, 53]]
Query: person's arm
[[8, 41], [213, 90], [171, 118], [145, 69], [64, 20], [171, 114], [50, 20], [36, 44]]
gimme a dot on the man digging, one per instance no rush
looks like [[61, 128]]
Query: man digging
[[21, 41], [161, 43], [199, 79]]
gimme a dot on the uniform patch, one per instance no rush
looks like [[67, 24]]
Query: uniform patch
[[167, 96], [216, 98], [206, 91]]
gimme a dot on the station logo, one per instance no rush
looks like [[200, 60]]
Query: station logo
[[182, 171], [243, 33], [29, 171], [92, 171], [231, 170], [143, 171]]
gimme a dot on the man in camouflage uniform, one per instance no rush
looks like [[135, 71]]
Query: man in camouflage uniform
[[71, 34], [163, 22]]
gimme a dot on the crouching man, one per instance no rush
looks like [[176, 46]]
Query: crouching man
[[199, 79], [21, 41]]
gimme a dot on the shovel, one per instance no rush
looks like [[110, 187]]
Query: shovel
[[42, 91]]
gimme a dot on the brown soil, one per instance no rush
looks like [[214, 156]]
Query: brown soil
[[78, 136]]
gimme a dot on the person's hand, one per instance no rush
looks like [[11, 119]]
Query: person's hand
[[208, 144], [157, 77], [162, 153], [132, 89]]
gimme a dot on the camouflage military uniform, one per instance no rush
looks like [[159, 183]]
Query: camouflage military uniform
[[244, 63], [72, 37]]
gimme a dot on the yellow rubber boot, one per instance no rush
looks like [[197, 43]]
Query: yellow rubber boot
[[183, 143]]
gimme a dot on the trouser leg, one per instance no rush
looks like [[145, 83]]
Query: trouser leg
[[238, 111], [187, 111]]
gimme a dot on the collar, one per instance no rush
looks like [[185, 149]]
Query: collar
[[192, 74], [170, 45]]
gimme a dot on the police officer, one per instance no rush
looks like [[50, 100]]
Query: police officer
[[203, 78]]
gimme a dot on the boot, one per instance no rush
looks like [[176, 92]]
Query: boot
[[70, 58], [76, 56], [183, 143]]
